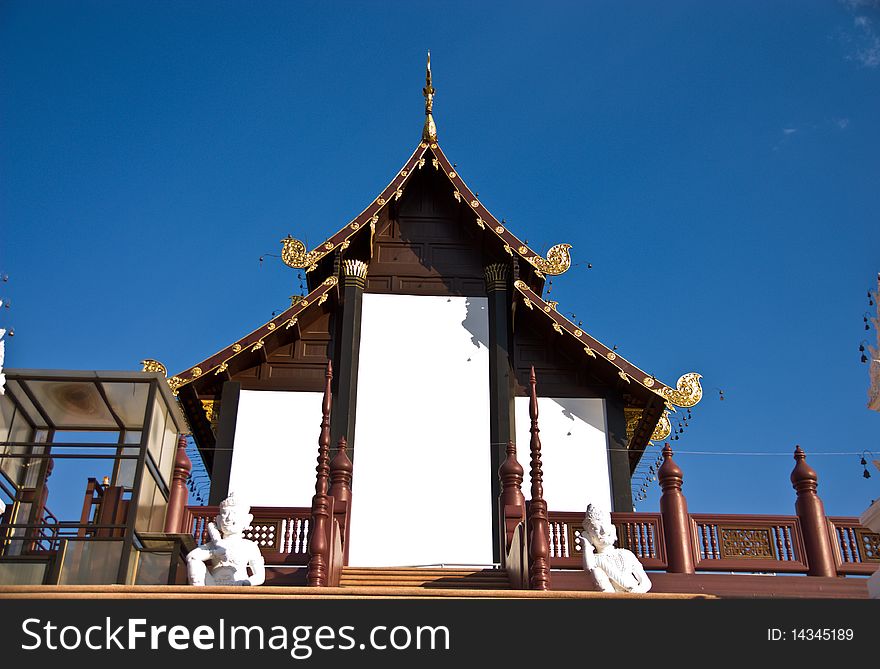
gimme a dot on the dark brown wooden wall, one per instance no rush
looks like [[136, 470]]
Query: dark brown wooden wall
[[557, 368], [298, 365], [425, 247]]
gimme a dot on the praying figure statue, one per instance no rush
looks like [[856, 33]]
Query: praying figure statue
[[612, 569], [228, 556]]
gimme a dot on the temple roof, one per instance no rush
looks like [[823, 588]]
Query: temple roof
[[651, 424]]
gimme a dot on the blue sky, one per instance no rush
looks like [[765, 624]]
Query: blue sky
[[717, 163]]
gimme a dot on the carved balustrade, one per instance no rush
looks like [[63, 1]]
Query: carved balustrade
[[723, 543], [857, 549], [642, 533], [748, 543], [282, 533]]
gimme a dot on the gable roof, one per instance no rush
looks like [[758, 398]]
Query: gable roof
[[255, 340], [294, 252], [652, 423]]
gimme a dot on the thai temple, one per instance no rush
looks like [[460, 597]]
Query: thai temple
[[460, 425]]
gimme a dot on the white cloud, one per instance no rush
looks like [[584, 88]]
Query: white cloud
[[863, 39]]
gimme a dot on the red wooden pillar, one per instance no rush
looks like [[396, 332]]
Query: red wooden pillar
[[676, 521], [539, 527], [178, 496], [319, 544], [340, 490], [512, 504], [811, 513]]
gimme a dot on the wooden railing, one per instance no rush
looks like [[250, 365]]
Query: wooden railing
[[857, 549], [728, 543], [642, 533], [748, 543], [282, 533]]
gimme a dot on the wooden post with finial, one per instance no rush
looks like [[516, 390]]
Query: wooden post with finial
[[319, 542], [539, 527], [676, 521], [340, 490], [178, 496], [511, 503], [811, 513]]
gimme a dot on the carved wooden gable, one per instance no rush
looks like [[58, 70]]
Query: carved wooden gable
[[424, 247]]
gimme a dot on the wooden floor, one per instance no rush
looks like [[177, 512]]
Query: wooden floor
[[473, 583], [281, 592]]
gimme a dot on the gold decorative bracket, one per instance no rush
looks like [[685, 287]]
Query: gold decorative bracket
[[663, 429]]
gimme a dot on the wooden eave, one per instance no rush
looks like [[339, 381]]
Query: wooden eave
[[255, 340], [653, 396]]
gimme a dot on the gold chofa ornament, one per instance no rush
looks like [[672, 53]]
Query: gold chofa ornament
[[558, 260], [687, 393], [293, 254]]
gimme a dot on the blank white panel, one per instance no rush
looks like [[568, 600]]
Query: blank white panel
[[422, 479], [276, 448], [574, 451]]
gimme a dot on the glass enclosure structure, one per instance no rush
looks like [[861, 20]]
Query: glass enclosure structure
[[86, 460]]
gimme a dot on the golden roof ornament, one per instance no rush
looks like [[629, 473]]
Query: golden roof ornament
[[429, 134], [151, 365], [558, 260]]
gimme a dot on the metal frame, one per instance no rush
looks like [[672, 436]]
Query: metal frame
[[38, 419]]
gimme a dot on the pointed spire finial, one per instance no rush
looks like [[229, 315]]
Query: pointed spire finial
[[429, 134]]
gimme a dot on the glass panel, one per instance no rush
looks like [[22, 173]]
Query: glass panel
[[153, 568], [7, 411], [20, 430], [19, 516], [151, 506], [157, 516], [72, 404], [157, 431], [14, 388], [129, 402], [22, 573], [90, 562], [125, 471], [169, 449]]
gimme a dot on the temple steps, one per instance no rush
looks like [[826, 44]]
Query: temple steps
[[417, 577]]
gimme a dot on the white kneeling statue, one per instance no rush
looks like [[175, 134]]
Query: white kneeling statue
[[226, 558], [612, 569]]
